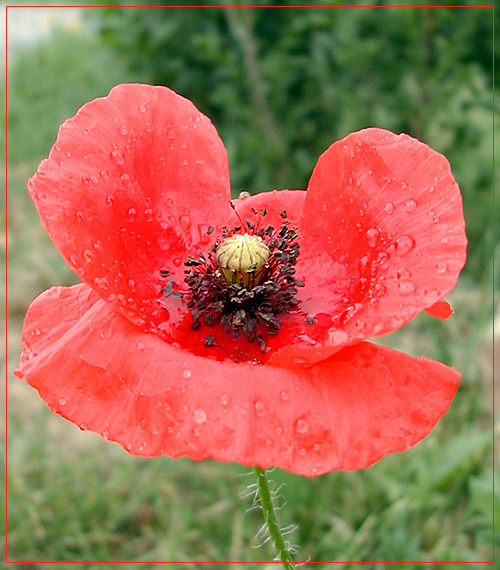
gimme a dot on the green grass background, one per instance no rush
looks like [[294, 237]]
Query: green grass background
[[321, 73]]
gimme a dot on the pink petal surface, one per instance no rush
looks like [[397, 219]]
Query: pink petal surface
[[98, 370], [132, 183], [384, 216]]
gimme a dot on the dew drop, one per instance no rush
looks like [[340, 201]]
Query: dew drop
[[171, 134], [105, 435], [148, 215], [431, 189], [404, 273], [279, 430], [244, 195], [389, 208], [185, 222], [79, 216], [140, 345], [117, 157], [125, 178], [363, 262], [62, 402], [410, 205], [83, 427], [142, 108], [406, 287], [372, 236], [87, 256], [199, 416], [132, 285], [404, 245], [101, 282], [260, 410], [301, 426], [123, 130], [432, 292], [73, 259], [225, 400], [186, 373], [132, 212], [380, 290], [284, 395], [441, 267]]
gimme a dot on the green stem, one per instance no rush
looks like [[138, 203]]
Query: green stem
[[266, 503]]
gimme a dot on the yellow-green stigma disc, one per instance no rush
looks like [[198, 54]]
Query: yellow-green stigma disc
[[242, 259]]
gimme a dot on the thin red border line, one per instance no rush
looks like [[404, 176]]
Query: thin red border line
[[6, 289], [246, 6], [493, 285]]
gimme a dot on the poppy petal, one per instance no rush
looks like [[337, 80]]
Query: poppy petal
[[441, 310], [132, 183], [102, 373], [388, 213]]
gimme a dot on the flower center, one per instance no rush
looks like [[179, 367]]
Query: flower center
[[244, 283], [242, 259]]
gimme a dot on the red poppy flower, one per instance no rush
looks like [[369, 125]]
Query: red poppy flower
[[167, 350]]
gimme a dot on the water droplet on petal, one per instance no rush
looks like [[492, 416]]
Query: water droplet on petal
[[284, 395], [185, 222], [389, 208], [260, 409], [372, 236], [132, 212], [410, 205], [62, 402], [105, 434], [301, 426], [87, 256], [125, 178], [380, 290], [132, 285], [186, 373], [404, 244], [199, 416], [404, 273], [406, 287], [148, 215], [441, 267], [225, 400], [142, 108], [79, 216], [140, 345], [123, 130], [117, 157]]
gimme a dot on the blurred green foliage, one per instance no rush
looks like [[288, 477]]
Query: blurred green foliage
[[282, 84], [49, 84]]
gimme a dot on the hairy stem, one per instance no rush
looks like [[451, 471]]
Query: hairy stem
[[266, 503]]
